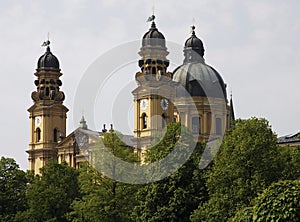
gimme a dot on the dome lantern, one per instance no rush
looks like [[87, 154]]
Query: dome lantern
[[193, 48]]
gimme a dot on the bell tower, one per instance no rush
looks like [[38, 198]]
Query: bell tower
[[153, 108], [47, 114]]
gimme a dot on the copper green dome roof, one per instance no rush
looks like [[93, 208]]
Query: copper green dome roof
[[48, 60]]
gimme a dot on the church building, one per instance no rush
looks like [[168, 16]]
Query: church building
[[194, 94]]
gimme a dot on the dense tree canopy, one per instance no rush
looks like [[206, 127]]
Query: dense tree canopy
[[243, 215], [241, 184], [102, 198], [290, 158], [246, 163], [51, 194], [279, 202], [175, 197], [13, 184]]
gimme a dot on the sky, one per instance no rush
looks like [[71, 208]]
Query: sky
[[254, 45]]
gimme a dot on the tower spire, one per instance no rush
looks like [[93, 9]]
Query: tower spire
[[47, 114]]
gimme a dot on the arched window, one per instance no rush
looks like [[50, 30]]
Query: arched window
[[163, 120], [175, 119], [153, 71], [218, 126], [55, 135], [38, 135], [196, 127], [144, 121], [47, 91]]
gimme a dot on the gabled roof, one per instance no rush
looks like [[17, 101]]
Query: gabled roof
[[72, 136]]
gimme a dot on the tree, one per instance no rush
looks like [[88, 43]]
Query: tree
[[12, 189], [290, 158], [279, 202], [175, 197], [246, 163], [102, 198], [51, 194], [243, 215]]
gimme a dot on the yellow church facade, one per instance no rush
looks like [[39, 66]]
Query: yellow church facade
[[194, 94]]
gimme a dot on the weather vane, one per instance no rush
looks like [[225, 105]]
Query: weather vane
[[46, 43], [152, 17]]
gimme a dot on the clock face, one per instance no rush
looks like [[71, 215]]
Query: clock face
[[164, 103], [38, 121], [144, 104]]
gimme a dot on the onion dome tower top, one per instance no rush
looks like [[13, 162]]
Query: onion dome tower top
[[48, 60], [153, 62], [48, 83], [198, 78], [153, 37], [193, 48], [194, 43]]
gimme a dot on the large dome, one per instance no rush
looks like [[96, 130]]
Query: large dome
[[200, 79], [153, 37], [48, 60]]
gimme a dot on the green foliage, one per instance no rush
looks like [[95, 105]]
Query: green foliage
[[162, 147], [279, 202], [175, 197], [246, 163], [240, 185], [113, 141], [290, 158], [109, 154], [12, 189], [50, 195], [243, 215], [104, 199]]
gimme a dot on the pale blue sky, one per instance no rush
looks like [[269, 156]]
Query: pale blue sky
[[253, 44]]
